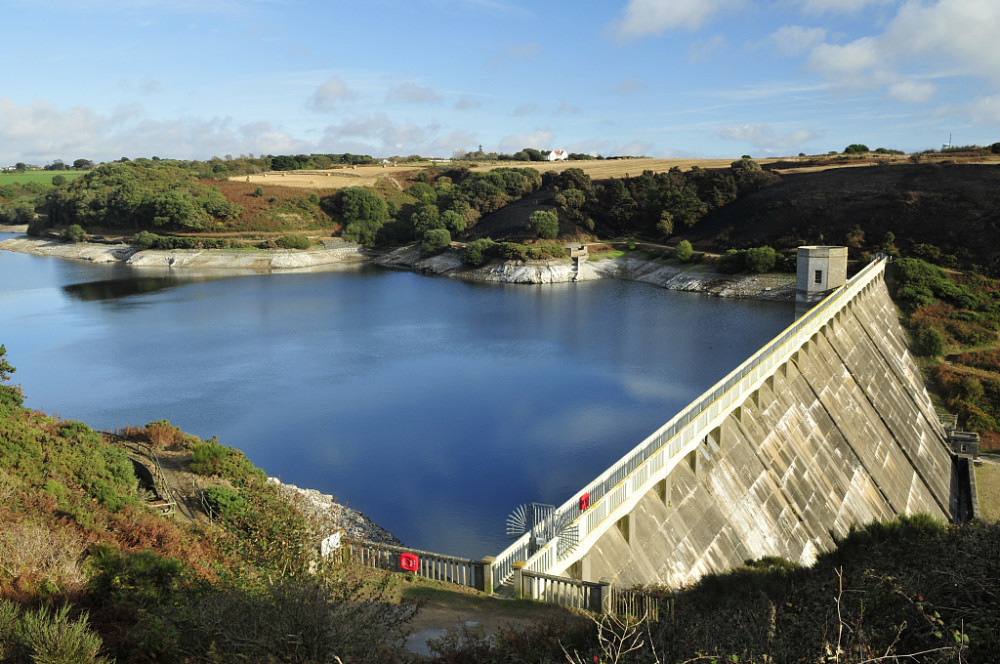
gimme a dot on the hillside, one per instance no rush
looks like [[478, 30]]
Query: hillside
[[953, 210]]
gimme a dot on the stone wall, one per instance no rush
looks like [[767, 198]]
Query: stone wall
[[842, 434]]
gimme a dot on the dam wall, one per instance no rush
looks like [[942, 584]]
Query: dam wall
[[840, 433]]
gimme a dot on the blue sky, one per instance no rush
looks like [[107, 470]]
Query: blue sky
[[102, 79]]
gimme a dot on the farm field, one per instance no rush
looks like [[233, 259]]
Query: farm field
[[37, 176], [598, 169]]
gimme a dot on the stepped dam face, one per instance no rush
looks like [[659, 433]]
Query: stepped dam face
[[841, 433]]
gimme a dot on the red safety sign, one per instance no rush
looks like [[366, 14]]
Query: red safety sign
[[584, 502], [408, 562]]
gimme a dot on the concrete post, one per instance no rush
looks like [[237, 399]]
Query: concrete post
[[485, 580], [519, 592], [600, 599]]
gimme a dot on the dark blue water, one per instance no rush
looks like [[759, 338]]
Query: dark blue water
[[433, 405]]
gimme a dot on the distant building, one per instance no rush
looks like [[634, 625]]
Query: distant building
[[558, 155]]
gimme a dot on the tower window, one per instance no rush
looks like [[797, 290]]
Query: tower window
[[818, 279]]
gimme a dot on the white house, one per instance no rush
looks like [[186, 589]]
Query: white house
[[558, 155]]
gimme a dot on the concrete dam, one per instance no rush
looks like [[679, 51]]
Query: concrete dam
[[826, 427]]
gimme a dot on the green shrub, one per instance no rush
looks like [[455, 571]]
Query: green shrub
[[930, 342], [478, 251], [544, 224], [46, 636], [207, 458], [760, 259], [74, 233], [293, 242], [226, 501], [258, 191], [434, 240], [683, 251]]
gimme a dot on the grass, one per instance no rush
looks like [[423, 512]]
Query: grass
[[988, 488], [44, 177]]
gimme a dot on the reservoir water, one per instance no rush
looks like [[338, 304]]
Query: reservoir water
[[433, 405]]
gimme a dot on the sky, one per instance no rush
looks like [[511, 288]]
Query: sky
[[193, 79]]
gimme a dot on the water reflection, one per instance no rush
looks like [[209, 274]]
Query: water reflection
[[113, 289], [434, 406]]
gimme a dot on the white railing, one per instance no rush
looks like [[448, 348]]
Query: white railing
[[613, 493]]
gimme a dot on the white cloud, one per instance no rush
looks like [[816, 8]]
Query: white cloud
[[329, 95], [858, 64], [40, 132], [911, 91], [525, 109], [653, 17], [762, 136], [540, 140], [926, 39], [795, 40], [413, 94], [960, 32], [982, 111]]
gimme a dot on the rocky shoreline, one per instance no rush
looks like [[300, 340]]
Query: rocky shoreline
[[330, 516], [335, 253]]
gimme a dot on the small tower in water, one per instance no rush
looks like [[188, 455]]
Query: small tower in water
[[819, 271]]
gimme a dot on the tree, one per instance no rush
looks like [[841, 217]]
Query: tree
[[5, 369], [453, 221], [856, 148], [995, 148], [20, 167], [665, 226], [84, 164], [426, 218], [683, 251], [545, 224], [58, 180]]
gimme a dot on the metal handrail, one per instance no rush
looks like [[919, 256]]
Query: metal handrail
[[610, 489]]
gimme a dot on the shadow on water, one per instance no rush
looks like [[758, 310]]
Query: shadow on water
[[112, 289]]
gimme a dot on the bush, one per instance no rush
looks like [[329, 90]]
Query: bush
[[226, 501], [856, 148], [930, 342], [760, 259], [683, 251], [207, 458], [434, 240], [74, 233], [293, 242], [478, 251], [47, 636], [544, 224]]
